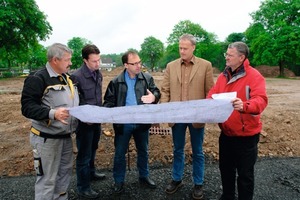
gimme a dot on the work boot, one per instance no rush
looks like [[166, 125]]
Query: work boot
[[119, 188], [173, 187], [97, 176], [147, 182], [198, 192], [89, 194]]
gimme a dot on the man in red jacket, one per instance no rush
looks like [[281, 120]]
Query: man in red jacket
[[240, 133]]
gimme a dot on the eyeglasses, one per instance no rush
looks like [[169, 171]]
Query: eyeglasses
[[227, 55], [136, 63], [230, 56]]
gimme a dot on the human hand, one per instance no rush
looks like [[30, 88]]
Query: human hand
[[61, 114], [237, 104], [149, 98], [157, 125]]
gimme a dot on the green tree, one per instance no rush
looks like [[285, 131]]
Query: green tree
[[214, 52], [275, 33], [171, 53], [187, 26], [37, 57], [152, 50], [235, 37], [132, 49], [22, 25], [261, 45], [76, 44]]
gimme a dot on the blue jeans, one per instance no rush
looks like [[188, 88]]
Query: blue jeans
[[197, 135], [87, 139], [141, 139]]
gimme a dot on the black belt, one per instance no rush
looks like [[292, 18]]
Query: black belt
[[47, 135]]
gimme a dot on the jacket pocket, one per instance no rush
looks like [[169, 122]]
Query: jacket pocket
[[89, 91], [56, 96]]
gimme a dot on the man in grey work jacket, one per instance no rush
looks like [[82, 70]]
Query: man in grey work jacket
[[47, 94], [88, 79]]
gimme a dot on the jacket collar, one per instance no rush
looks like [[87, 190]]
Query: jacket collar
[[51, 71], [192, 60], [86, 71], [240, 72]]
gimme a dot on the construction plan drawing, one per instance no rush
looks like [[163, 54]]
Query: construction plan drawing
[[195, 111]]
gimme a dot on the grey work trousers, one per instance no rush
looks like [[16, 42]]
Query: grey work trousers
[[56, 157]]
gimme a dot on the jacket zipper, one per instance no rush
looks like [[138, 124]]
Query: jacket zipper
[[242, 120]]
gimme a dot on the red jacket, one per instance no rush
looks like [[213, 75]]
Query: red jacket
[[251, 88]]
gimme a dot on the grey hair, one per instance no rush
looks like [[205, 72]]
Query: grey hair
[[241, 47], [57, 50], [189, 37]]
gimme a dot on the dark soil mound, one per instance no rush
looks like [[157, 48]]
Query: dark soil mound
[[273, 71]]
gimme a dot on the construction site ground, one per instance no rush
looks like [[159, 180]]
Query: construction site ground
[[280, 136]]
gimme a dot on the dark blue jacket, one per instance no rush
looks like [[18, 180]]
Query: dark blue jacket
[[90, 90]]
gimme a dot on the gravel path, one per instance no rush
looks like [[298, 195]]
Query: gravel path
[[276, 178]]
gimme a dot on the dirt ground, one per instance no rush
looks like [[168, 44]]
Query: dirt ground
[[280, 136]]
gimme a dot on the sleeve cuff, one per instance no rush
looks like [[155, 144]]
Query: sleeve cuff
[[51, 114]]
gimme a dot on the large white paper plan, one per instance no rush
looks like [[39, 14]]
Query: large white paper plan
[[195, 111]]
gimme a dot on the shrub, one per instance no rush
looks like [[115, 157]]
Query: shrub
[[7, 74]]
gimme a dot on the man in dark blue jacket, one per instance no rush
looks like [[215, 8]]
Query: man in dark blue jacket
[[88, 79], [131, 87]]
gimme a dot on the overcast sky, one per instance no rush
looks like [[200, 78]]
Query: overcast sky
[[117, 25]]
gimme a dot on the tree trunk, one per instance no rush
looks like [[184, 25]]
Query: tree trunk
[[281, 68]]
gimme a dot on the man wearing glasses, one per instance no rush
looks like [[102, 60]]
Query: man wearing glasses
[[131, 87], [240, 132]]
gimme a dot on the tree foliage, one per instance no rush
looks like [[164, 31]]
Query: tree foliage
[[260, 42], [22, 25], [275, 34], [76, 44], [151, 51], [171, 53], [273, 38], [235, 37], [187, 26], [37, 57]]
